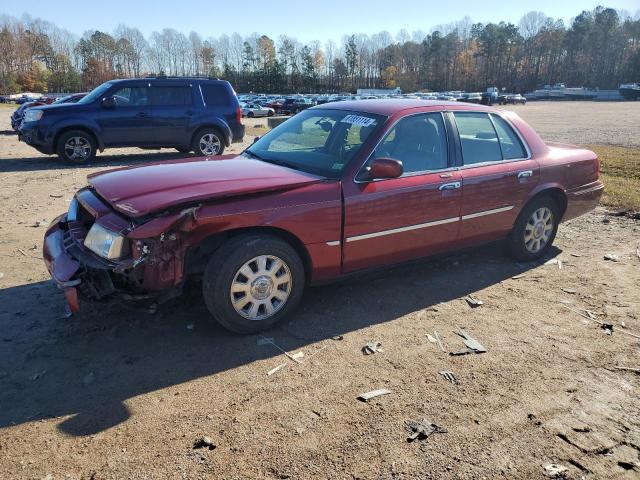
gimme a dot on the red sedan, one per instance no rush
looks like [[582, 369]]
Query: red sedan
[[337, 189]]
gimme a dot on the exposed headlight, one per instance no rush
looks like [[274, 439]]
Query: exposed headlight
[[106, 243], [72, 214], [33, 115]]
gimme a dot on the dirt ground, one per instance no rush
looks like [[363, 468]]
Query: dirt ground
[[114, 393]]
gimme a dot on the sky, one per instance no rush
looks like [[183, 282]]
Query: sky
[[306, 21]]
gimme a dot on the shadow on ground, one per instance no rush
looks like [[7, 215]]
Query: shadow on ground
[[87, 366]]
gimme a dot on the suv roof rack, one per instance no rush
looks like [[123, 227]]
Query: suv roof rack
[[188, 77]]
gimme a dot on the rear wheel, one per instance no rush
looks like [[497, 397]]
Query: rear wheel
[[534, 230], [252, 282], [250, 115], [208, 142], [76, 146]]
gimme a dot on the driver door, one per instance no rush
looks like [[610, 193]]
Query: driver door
[[129, 122], [418, 214]]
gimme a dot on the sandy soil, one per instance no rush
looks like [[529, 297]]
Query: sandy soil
[[114, 393]]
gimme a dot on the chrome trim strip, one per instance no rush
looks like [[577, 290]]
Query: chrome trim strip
[[402, 229], [334, 243], [486, 212]]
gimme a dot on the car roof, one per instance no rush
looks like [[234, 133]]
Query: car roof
[[390, 106]]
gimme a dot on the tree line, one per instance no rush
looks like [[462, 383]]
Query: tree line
[[599, 48]]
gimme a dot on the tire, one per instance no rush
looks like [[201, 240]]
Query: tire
[[271, 113], [532, 234], [204, 148], [250, 115], [66, 147], [224, 270]]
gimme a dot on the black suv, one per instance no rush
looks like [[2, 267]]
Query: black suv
[[295, 105], [189, 114]]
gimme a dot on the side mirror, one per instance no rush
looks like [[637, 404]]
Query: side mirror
[[109, 102], [385, 168], [256, 139]]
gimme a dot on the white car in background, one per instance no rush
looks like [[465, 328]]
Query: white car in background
[[251, 110]]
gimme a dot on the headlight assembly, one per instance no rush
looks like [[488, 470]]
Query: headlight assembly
[[72, 214], [33, 115], [106, 243]]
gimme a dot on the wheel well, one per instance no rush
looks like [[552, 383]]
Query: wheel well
[[199, 255], [217, 128], [557, 195], [68, 129]]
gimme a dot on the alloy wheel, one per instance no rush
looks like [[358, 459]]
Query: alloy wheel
[[538, 229], [209, 144], [77, 148]]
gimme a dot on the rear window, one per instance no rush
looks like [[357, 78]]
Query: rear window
[[478, 138], [509, 142], [215, 95], [171, 95]]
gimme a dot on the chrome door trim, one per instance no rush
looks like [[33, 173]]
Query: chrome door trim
[[402, 229], [486, 212]]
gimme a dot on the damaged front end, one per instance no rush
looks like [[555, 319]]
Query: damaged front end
[[96, 254]]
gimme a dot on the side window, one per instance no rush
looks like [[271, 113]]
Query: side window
[[215, 95], [168, 96], [509, 142], [418, 141], [478, 138], [128, 96]]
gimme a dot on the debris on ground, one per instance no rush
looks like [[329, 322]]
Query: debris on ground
[[55, 195], [437, 335], [365, 397], [576, 255], [553, 470], [473, 346], [298, 356], [89, 378], [473, 301], [570, 291], [431, 338], [608, 328], [1, 275], [627, 369], [262, 340], [516, 277], [276, 369], [619, 213], [449, 376], [41, 223], [337, 337], [190, 326], [204, 442], [554, 261], [422, 430], [611, 257], [372, 347]]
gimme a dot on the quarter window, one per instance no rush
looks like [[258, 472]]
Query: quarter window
[[509, 141], [418, 141], [215, 95], [478, 138]]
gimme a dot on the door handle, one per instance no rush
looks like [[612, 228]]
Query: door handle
[[525, 174], [450, 186]]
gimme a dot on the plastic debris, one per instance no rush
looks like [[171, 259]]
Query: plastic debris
[[431, 338], [449, 376], [422, 430], [262, 340], [611, 257], [190, 326], [437, 335], [372, 347], [577, 255], [41, 223], [554, 261], [471, 342], [55, 195], [36, 376], [204, 442], [608, 328], [298, 356], [570, 291], [553, 470], [276, 369], [520, 275], [473, 301], [365, 397]]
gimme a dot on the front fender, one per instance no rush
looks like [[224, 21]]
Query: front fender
[[80, 122]]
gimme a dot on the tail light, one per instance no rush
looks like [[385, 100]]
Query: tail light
[[238, 114]]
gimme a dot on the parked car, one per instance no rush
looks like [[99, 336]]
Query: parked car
[[17, 116], [291, 106], [337, 189], [516, 98], [251, 110], [73, 98], [183, 113], [471, 98]]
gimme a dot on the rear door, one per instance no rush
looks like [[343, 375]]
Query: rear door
[[395, 220], [497, 175], [129, 122], [172, 110]]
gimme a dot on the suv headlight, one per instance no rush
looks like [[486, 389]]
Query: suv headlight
[[33, 115], [106, 243]]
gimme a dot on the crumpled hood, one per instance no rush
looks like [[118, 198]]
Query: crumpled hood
[[137, 191]]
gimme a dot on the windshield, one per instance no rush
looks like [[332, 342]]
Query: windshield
[[95, 93], [319, 141]]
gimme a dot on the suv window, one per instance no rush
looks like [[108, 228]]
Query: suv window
[[419, 141], [509, 142], [215, 95], [131, 96], [171, 95]]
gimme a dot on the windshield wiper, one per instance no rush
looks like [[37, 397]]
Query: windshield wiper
[[254, 155]]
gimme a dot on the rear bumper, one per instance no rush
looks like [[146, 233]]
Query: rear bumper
[[583, 199], [237, 132]]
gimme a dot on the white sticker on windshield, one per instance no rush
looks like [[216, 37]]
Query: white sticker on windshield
[[359, 120]]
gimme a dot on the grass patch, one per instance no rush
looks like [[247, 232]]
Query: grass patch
[[12, 106], [620, 168]]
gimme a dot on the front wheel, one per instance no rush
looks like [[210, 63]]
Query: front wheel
[[534, 230], [252, 282], [208, 142], [76, 146]]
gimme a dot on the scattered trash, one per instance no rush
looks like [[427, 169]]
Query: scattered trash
[[471, 343], [602, 324], [365, 397], [372, 347], [337, 337], [431, 338], [627, 369], [276, 369], [520, 275], [554, 261], [22, 252], [1, 275], [298, 356], [553, 470], [89, 378], [449, 376], [590, 314], [37, 375], [473, 301], [437, 335], [607, 327], [570, 291], [41, 223], [262, 340], [576, 255], [622, 324], [422, 430], [204, 442], [55, 195], [611, 257], [190, 326]]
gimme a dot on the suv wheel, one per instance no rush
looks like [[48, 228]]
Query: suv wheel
[[252, 282], [76, 146], [534, 230], [208, 142]]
